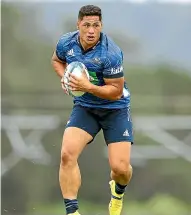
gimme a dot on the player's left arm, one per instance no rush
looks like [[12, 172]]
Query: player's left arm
[[113, 77], [112, 90]]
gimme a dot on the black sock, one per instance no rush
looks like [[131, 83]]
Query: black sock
[[71, 205], [120, 189]]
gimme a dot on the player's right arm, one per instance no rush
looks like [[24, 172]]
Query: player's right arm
[[58, 65], [59, 56], [59, 59]]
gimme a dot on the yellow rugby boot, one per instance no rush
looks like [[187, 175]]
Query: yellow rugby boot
[[116, 202], [76, 213]]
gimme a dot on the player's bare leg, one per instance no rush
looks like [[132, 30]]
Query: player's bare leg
[[121, 173], [74, 141]]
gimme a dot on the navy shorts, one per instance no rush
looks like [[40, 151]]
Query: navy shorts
[[115, 123]]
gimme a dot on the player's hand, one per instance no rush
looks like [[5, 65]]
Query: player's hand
[[81, 83], [63, 86]]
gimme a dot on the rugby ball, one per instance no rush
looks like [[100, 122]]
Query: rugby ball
[[75, 68]]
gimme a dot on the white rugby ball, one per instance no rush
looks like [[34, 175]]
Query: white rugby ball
[[75, 68]]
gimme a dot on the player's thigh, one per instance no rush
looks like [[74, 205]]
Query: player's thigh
[[118, 134], [117, 126], [74, 141], [80, 130]]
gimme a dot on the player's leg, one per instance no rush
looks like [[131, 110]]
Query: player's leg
[[69, 173], [121, 173], [117, 128], [119, 160], [81, 129]]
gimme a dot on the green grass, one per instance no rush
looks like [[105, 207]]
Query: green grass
[[158, 205]]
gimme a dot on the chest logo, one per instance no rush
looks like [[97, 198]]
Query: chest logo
[[96, 60]]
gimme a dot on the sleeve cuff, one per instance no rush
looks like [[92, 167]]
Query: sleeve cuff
[[118, 75]]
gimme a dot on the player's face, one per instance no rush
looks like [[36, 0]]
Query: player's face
[[89, 28]]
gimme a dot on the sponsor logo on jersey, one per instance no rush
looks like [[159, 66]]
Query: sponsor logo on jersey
[[116, 70]]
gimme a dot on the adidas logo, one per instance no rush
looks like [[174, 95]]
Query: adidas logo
[[126, 133], [70, 52]]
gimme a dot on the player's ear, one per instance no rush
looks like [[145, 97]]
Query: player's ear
[[78, 24]]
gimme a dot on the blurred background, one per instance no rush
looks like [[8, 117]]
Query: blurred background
[[155, 37]]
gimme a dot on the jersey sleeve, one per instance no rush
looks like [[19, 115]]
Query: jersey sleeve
[[61, 48], [113, 66]]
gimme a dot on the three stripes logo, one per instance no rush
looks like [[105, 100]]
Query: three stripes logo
[[70, 52]]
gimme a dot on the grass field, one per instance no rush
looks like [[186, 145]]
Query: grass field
[[158, 205]]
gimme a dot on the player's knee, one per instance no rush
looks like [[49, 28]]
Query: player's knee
[[67, 158], [130, 171], [121, 168]]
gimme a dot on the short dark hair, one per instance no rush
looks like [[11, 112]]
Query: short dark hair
[[89, 10]]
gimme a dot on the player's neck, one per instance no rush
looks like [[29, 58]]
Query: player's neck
[[85, 46]]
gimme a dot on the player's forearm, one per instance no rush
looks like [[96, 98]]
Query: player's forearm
[[59, 67], [106, 92]]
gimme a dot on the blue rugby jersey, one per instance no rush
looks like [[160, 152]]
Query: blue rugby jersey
[[104, 60]]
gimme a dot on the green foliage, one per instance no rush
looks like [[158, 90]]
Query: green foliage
[[161, 80]]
